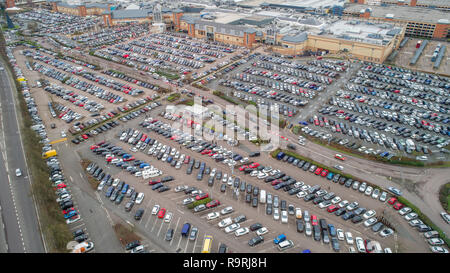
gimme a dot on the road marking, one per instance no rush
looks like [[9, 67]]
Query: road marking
[[159, 231]]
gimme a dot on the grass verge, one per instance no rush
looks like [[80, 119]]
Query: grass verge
[[92, 181], [425, 219], [444, 197]]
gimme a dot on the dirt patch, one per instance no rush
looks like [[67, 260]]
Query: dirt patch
[[92, 181], [125, 234]]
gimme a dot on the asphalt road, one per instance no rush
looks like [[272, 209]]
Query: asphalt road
[[19, 213]]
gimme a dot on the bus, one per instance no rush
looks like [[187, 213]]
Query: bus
[[207, 242]]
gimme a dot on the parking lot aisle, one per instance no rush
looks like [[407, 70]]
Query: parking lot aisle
[[145, 209]]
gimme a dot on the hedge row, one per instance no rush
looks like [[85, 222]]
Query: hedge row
[[199, 202]]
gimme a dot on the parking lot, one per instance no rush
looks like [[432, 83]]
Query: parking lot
[[147, 169], [385, 113]]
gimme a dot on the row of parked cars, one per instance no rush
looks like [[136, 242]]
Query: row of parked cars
[[56, 176], [77, 99], [117, 156], [111, 35]]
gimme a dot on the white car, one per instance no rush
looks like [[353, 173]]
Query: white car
[[360, 245], [370, 222], [301, 194], [155, 209], [73, 219], [232, 227], [411, 216], [383, 196], [276, 214], [18, 172], [368, 191], [226, 210], [415, 222], [284, 217], [225, 222], [349, 238], [180, 188], [212, 215], [225, 178], [101, 185], [343, 204], [298, 213], [188, 201], [63, 134], [262, 231], [336, 200], [340, 234], [436, 241], [168, 217], [369, 214], [241, 231], [308, 229], [438, 249], [404, 211]]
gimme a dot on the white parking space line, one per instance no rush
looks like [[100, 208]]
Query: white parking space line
[[160, 227], [175, 230]]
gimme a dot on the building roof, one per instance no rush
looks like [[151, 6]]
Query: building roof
[[404, 13], [130, 13], [298, 38]]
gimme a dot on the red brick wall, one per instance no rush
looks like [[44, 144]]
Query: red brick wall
[[441, 30], [10, 3], [82, 11]]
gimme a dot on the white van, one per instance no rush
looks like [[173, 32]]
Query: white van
[[262, 197], [286, 244]]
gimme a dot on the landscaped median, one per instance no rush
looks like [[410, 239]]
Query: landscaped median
[[199, 202], [402, 200]]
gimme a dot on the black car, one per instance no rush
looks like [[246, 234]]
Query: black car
[[132, 245], [269, 209], [348, 215], [222, 248], [340, 211], [248, 198], [255, 202], [309, 197], [139, 214], [249, 188], [255, 240], [239, 219], [377, 227], [300, 225], [81, 238], [316, 233], [255, 226], [211, 181], [335, 244], [223, 187], [169, 234]]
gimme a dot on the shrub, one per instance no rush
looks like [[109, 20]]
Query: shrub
[[199, 202]]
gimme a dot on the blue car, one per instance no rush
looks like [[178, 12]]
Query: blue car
[[70, 214], [280, 238]]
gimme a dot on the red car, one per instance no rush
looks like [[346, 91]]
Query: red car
[[392, 200], [332, 208], [276, 182], [254, 165], [186, 159], [324, 173], [161, 213], [108, 159], [100, 143], [205, 152], [318, 171], [153, 182], [84, 136], [243, 167], [60, 186], [398, 206], [94, 147], [129, 159], [314, 221], [68, 210], [201, 196], [213, 204], [338, 156]]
